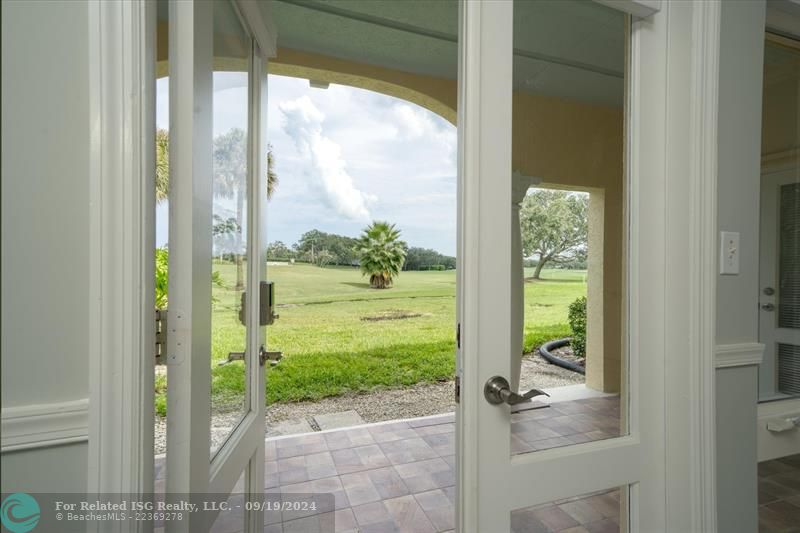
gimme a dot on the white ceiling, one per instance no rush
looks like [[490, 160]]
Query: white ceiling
[[568, 48]]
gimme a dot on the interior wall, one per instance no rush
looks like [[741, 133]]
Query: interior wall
[[45, 220], [739, 157], [737, 469]]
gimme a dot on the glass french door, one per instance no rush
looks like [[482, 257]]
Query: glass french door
[[779, 239], [546, 103], [779, 318], [217, 263]]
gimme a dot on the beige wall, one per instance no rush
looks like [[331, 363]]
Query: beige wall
[[566, 143]]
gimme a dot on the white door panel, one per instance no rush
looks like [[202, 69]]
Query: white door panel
[[217, 202], [608, 452]]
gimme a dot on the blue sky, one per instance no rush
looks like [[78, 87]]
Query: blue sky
[[345, 157]]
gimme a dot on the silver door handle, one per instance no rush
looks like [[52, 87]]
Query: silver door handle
[[232, 356], [497, 391], [768, 307]]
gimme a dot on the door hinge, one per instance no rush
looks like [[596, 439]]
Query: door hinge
[[161, 335], [458, 335], [458, 388]]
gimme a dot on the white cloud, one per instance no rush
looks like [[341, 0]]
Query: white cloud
[[328, 172], [416, 123]]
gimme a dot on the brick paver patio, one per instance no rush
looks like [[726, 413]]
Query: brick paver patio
[[400, 476]]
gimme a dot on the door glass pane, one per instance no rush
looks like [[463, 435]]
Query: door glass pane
[[603, 511], [779, 221], [569, 224], [229, 223]]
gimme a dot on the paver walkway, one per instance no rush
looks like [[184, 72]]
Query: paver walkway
[[400, 476]]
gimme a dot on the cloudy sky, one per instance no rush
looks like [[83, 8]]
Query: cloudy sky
[[345, 157]]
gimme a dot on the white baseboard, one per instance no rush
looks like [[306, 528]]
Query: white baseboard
[[744, 354], [36, 426], [774, 445]]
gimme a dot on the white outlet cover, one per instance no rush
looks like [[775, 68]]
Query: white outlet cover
[[729, 253]]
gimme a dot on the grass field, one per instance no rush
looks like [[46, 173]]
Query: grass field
[[338, 335]]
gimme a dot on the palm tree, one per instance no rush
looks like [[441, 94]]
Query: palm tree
[[381, 253], [162, 167], [230, 181], [230, 165], [272, 177]]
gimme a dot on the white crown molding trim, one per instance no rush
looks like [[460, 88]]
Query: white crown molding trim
[[41, 425], [744, 354]]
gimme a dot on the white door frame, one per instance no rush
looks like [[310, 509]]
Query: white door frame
[[672, 139], [770, 334], [189, 468], [122, 241], [121, 412]]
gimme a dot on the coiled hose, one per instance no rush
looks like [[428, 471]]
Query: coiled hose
[[544, 351]]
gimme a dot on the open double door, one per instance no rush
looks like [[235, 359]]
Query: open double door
[[502, 484]]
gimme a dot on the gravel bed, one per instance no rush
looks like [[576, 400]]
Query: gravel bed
[[538, 373], [418, 400]]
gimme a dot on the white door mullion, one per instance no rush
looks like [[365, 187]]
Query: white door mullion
[[487, 54], [189, 341]]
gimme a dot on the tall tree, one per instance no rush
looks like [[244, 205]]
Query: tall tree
[[381, 253], [554, 227], [342, 248], [162, 167], [230, 181], [426, 259]]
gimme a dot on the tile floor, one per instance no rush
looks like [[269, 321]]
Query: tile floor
[[779, 495], [400, 476], [589, 513]]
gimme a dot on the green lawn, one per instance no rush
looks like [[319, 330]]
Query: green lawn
[[338, 335]]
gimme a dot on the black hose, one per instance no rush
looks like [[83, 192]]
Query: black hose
[[544, 351]]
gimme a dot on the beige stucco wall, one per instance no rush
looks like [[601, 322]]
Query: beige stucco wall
[[566, 143]]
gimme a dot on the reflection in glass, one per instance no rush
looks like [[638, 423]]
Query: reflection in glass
[[600, 511], [568, 222], [229, 223], [779, 234]]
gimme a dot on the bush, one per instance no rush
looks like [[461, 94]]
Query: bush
[[162, 278], [577, 321]]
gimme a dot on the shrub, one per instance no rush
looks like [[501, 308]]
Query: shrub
[[162, 278], [577, 321]]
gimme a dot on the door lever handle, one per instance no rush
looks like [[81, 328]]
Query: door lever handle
[[768, 307], [497, 391], [232, 356], [263, 356]]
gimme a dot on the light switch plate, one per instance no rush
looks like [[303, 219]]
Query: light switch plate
[[729, 253]]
